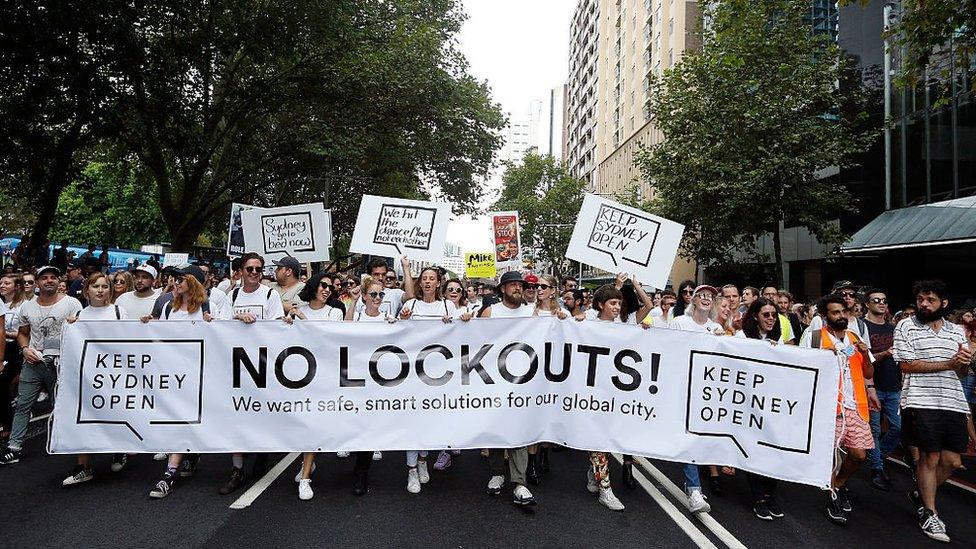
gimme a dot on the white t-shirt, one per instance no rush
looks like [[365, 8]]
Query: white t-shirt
[[688, 324], [499, 310], [327, 312], [107, 312], [183, 315], [135, 306], [220, 306], [658, 317], [765, 337], [361, 316], [392, 301], [46, 322], [933, 390], [264, 303], [847, 386], [593, 314], [421, 310], [226, 285], [11, 322]]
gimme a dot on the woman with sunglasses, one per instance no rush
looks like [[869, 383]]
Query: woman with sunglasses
[[454, 292], [30, 285], [122, 282], [14, 296], [546, 303], [685, 292], [351, 291]]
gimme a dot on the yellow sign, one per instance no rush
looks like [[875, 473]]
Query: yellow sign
[[479, 265]]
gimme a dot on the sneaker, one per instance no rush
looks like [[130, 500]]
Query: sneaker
[[11, 456], [933, 527], [880, 481], [305, 489], [443, 461], [845, 499], [342, 455], [413, 481], [696, 501], [773, 507], [422, 473], [522, 496], [495, 484], [164, 486], [42, 396], [591, 485], [298, 476], [78, 476], [377, 456], [189, 465], [835, 510], [160, 456], [235, 481], [761, 510], [118, 462], [609, 500]]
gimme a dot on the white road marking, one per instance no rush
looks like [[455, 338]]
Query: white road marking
[[696, 535], [252, 493], [716, 528], [950, 481]]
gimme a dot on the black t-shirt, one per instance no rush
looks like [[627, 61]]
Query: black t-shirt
[[887, 373]]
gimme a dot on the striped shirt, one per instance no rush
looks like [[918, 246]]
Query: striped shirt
[[938, 390]]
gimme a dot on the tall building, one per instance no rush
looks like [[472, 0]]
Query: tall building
[[582, 100]]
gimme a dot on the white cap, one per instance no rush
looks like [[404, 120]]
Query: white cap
[[147, 269]]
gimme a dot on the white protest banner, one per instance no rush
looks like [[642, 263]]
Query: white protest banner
[[505, 238], [235, 230], [303, 231], [226, 386], [393, 227], [621, 239], [175, 259]]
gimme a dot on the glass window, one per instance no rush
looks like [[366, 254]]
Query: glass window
[[914, 167], [940, 150], [966, 145]]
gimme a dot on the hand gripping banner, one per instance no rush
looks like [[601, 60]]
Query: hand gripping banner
[[225, 386]]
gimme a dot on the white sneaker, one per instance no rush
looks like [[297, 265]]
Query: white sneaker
[[696, 501], [305, 489], [79, 476], [342, 455], [610, 501], [495, 484], [298, 477], [377, 456], [413, 481], [591, 484], [522, 496], [42, 396], [422, 472], [161, 456]]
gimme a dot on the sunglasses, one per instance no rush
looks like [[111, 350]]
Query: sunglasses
[[348, 284], [376, 295], [704, 295], [253, 270], [530, 286], [848, 294], [688, 291], [178, 279], [120, 281], [544, 286], [769, 314], [391, 278], [325, 285], [879, 300], [454, 290], [28, 281]]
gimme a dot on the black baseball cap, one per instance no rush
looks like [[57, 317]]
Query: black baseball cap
[[842, 284], [191, 270], [289, 262]]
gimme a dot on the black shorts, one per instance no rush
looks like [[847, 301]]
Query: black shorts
[[932, 430]]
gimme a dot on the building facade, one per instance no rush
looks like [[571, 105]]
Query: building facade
[[582, 101]]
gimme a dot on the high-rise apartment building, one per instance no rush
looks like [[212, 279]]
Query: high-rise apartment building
[[582, 100]]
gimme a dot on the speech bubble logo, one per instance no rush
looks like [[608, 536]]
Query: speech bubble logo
[[624, 235], [751, 401], [287, 233], [138, 383], [405, 227]]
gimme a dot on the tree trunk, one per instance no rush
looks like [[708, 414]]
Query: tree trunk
[[778, 253], [184, 238], [48, 203]]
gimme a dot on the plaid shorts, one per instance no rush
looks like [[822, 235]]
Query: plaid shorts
[[853, 432]]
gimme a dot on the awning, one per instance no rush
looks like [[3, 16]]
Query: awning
[[936, 224]]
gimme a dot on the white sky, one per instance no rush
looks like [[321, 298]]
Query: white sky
[[521, 48]]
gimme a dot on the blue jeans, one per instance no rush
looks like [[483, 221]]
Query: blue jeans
[[33, 378], [692, 480], [884, 446]]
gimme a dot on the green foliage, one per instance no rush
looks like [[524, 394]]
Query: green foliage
[[748, 123], [927, 27], [547, 199]]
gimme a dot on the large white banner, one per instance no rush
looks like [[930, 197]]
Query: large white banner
[[329, 386], [303, 231], [620, 239], [393, 227]]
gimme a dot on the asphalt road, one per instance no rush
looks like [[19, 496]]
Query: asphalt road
[[453, 510]]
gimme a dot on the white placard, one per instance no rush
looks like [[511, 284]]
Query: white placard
[[303, 231], [226, 386], [235, 230], [175, 259], [394, 227], [621, 239]]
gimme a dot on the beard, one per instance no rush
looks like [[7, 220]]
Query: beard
[[839, 324], [926, 317]]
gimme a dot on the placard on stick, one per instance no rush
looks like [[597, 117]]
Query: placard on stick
[[175, 259], [394, 227], [235, 230], [620, 239], [479, 265], [303, 231]]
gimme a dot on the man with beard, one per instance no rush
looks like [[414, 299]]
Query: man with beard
[[852, 430], [139, 302], [934, 354], [512, 305]]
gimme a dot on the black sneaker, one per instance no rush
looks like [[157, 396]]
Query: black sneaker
[[932, 526], [715, 486], [773, 507], [11, 456], [360, 484], [845, 499], [189, 465], [761, 511], [880, 481], [118, 462], [835, 512], [235, 481], [164, 486]]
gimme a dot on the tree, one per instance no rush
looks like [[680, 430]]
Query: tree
[[927, 27], [272, 101], [547, 199], [749, 123]]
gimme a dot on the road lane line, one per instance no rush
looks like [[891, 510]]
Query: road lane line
[[696, 535], [955, 483], [252, 493], [720, 532]]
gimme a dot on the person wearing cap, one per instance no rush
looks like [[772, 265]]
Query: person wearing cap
[[139, 302], [848, 291], [287, 282], [530, 289], [74, 276], [39, 339]]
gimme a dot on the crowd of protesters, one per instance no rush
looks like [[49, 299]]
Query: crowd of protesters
[[907, 381]]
